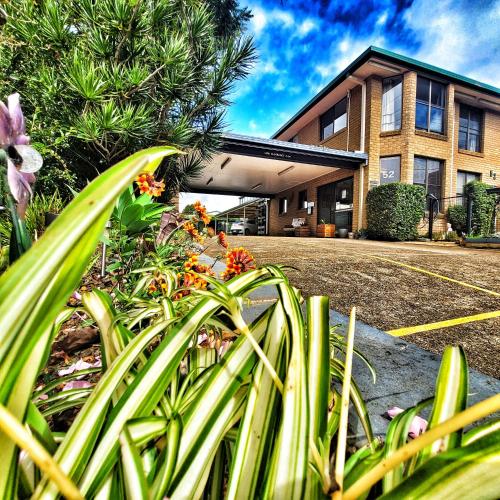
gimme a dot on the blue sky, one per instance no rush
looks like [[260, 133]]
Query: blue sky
[[302, 45]]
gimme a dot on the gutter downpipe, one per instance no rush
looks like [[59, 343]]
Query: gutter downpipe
[[362, 146]]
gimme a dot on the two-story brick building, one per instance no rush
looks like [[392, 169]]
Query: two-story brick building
[[385, 118]]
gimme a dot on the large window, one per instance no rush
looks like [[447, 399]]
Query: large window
[[428, 174], [390, 169], [429, 114], [283, 205], [469, 132], [334, 119], [302, 199], [392, 92], [463, 178]]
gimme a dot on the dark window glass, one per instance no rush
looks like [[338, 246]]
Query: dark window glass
[[390, 169], [282, 206], [463, 178], [469, 132], [428, 173], [429, 113], [302, 199], [334, 119]]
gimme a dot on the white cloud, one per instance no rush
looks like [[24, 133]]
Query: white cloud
[[382, 19], [283, 17], [306, 26], [259, 20], [253, 125], [344, 46], [456, 39], [213, 202], [268, 67]]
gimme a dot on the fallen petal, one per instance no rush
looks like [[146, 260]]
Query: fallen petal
[[418, 426], [78, 366], [392, 412], [76, 384]]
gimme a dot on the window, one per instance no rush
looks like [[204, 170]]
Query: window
[[334, 119], [428, 174], [282, 206], [391, 103], [469, 132], [463, 178], [390, 169], [429, 113], [302, 199]]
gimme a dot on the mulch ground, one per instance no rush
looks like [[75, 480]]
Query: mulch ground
[[389, 296]]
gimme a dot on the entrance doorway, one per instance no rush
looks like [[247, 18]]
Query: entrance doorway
[[335, 204]]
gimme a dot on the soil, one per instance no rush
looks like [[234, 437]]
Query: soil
[[389, 296]]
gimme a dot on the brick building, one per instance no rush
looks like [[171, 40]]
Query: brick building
[[385, 118]]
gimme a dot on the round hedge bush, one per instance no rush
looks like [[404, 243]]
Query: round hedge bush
[[394, 211]]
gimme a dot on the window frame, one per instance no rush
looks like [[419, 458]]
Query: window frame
[[441, 171], [282, 210], [390, 157], [429, 106], [331, 111], [480, 112], [392, 78], [302, 206]]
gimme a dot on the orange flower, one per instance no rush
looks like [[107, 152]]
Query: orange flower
[[211, 232], [148, 184], [202, 212], [223, 239], [238, 261], [188, 280], [192, 231]]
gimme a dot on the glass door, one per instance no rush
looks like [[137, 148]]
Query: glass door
[[335, 204]]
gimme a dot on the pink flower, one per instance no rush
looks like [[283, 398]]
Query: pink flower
[[418, 424], [22, 160]]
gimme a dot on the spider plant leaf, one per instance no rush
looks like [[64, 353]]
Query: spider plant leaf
[[253, 443], [290, 459], [396, 437], [145, 429], [480, 431], [468, 472], [136, 487], [452, 386], [318, 376]]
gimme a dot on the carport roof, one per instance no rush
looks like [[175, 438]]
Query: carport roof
[[254, 166]]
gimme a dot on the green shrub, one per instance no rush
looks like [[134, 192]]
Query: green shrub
[[394, 210], [483, 208], [457, 217]]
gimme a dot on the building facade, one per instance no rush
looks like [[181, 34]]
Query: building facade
[[418, 124]]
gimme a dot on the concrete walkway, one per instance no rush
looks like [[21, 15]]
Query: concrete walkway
[[406, 374]]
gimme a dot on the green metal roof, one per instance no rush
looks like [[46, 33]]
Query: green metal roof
[[389, 56]]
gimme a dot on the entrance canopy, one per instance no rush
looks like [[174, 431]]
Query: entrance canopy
[[256, 167]]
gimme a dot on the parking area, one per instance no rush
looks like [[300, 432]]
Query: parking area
[[401, 288]]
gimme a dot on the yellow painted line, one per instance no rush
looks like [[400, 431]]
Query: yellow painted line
[[430, 273], [400, 332]]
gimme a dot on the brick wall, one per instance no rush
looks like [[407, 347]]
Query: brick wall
[[277, 222], [406, 143]]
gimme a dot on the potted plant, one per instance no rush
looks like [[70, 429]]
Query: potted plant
[[324, 230]]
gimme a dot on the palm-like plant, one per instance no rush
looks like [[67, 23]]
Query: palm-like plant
[[100, 80]]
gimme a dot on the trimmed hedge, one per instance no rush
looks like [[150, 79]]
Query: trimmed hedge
[[394, 211], [483, 208], [457, 217]]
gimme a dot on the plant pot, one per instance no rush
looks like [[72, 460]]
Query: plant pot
[[302, 231], [325, 230], [350, 236], [342, 233], [289, 231]]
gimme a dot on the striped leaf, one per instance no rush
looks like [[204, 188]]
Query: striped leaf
[[468, 472]]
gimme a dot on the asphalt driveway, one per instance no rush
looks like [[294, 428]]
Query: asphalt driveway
[[381, 280]]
